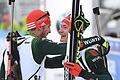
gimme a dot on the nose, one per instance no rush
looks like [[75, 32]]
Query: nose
[[61, 30], [49, 31]]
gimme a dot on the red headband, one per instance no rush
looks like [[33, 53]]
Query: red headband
[[67, 21], [37, 18], [43, 21]]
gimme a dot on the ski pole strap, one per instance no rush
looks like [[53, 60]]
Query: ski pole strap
[[81, 23], [10, 1]]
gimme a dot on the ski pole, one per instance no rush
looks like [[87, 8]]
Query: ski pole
[[9, 76], [97, 13], [72, 46], [67, 75]]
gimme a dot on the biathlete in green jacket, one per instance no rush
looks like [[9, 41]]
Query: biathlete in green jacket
[[38, 24], [90, 64], [33, 48]]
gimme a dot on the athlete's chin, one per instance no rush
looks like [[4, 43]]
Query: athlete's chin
[[44, 37], [63, 39]]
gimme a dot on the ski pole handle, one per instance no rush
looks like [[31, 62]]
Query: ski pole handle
[[96, 10], [10, 1]]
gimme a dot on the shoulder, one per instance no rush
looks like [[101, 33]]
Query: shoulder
[[22, 39], [47, 40], [41, 41], [36, 40]]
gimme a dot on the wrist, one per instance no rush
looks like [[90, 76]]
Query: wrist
[[82, 73]]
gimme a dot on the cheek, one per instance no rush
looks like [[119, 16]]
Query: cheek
[[64, 31], [46, 31]]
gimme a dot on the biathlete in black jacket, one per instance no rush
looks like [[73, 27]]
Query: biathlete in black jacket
[[90, 64]]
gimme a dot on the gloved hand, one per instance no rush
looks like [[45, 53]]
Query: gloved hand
[[105, 45], [75, 69], [13, 35]]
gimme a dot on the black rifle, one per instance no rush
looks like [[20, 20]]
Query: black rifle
[[13, 54]]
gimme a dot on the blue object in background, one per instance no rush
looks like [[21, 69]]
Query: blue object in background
[[114, 58], [3, 34]]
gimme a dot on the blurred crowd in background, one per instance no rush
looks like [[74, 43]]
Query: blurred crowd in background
[[5, 23]]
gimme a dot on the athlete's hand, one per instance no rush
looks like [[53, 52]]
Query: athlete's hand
[[12, 35], [75, 69], [105, 45]]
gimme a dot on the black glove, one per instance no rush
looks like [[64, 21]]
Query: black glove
[[105, 46], [13, 35]]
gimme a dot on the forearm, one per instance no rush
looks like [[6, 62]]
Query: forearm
[[53, 48], [96, 64], [87, 42]]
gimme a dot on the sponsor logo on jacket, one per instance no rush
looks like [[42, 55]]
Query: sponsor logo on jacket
[[96, 58], [92, 40]]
